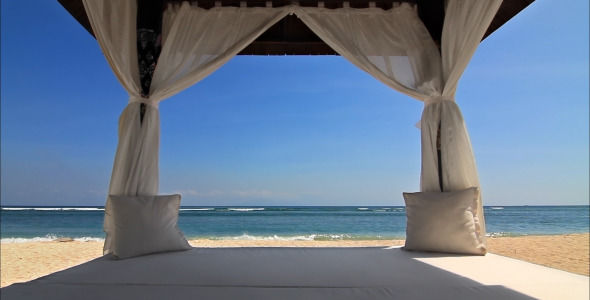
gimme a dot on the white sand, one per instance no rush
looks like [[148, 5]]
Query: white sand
[[26, 261]]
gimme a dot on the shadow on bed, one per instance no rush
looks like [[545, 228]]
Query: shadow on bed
[[262, 273]]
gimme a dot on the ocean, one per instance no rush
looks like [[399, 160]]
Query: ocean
[[21, 224]]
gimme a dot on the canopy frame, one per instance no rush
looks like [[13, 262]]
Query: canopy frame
[[393, 45], [291, 37]]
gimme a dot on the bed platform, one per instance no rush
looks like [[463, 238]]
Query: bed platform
[[304, 273]]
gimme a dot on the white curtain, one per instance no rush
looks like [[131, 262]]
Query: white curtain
[[465, 25], [135, 170], [392, 45], [395, 47], [195, 43]]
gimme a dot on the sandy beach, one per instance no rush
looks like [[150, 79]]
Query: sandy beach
[[26, 261]]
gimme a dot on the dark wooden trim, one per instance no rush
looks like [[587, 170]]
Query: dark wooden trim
[[290, 37]]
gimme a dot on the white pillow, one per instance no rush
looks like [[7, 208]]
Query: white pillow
[[146, 224], [443, 222]]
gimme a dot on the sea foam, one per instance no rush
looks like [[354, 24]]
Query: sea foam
[[309, 237], [54, 208], [48, 238], [246, 209]]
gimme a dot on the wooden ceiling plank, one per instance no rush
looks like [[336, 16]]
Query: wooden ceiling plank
[[291, 37]]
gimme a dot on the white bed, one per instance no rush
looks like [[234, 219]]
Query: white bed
[[304, 273]]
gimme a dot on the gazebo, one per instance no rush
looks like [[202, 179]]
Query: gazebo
[[419, 48]]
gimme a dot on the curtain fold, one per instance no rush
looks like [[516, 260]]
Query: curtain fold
[[195, 43], [465, 25], [392, 45], [395, 47], [135, 167]]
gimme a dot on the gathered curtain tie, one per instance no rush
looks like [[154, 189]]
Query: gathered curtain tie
[[431, 100], [436, 99], [151, 102]]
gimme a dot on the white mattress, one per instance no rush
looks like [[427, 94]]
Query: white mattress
[[304, 273]]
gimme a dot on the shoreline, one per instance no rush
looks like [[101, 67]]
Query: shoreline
[[26, 261]]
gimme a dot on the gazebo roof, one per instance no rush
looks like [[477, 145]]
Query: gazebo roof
[[291, 37]]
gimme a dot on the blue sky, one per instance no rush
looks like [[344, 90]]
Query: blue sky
[[306, 130]]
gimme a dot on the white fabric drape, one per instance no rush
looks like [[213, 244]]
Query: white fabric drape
[[395, 47], [195, 43], [135, 169], [465, 25]]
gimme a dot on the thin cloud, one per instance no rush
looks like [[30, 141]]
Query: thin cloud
[[264, 194]]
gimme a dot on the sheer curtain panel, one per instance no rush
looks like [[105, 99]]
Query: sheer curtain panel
[[395, 47], [135, 169], [392, 45], [195, 43], [464, 27]]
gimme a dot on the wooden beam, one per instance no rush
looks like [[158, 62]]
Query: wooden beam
[[291, 37]]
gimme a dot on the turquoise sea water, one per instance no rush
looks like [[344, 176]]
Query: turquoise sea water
[[20, 224]]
